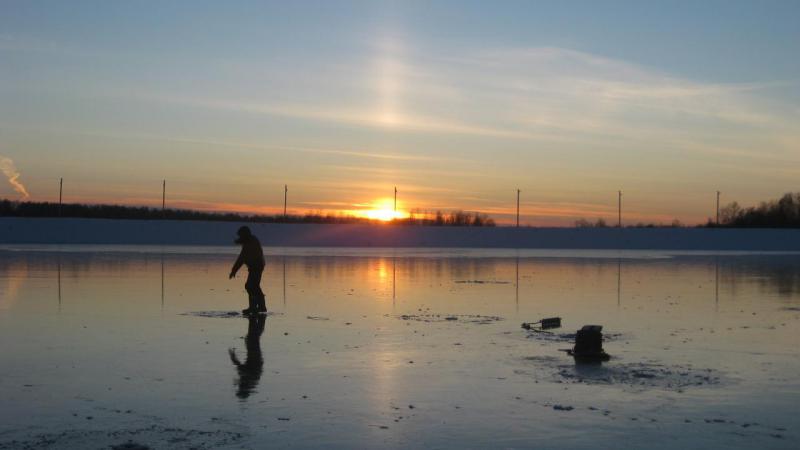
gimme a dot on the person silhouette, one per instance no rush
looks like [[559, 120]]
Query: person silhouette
[[250, 370], [252, 256]]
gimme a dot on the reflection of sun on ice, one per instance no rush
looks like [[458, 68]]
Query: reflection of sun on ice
[[382, 210]]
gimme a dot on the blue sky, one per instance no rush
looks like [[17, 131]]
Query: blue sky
[[456, 103]]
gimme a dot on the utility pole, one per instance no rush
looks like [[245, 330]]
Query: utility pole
[[619, 210], [395, 200], [163, 198], [717, 207], [518, 191], [60, 194], [285, 194]]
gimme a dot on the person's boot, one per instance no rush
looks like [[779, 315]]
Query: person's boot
[[252, 308], [262, 304]]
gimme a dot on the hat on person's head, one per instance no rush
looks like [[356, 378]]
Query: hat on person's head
[[244, 233]]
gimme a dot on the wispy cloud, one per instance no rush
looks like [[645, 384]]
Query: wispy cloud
[[540, 94], [378, 154], [571, 91], [410, 174], [345, 114]]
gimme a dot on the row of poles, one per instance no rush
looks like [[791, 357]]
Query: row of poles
[[286, 197]]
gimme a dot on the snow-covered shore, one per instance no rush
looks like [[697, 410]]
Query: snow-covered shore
[[14, 230]]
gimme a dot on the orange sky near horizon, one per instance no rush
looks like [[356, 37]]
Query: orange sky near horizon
[[381, 209]]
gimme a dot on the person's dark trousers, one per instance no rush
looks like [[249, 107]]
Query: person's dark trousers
[[253, 288]]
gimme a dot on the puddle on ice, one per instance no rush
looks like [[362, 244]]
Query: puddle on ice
[[147, 438], [455, 318], [215, 314], [222, 314], [552, 336], [644, 375]]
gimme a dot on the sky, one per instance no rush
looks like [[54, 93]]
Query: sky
[[457, 104]]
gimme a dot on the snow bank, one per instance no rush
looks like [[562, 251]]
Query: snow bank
[[15, 230]]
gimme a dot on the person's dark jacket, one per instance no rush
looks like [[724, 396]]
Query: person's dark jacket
[[252, 255]]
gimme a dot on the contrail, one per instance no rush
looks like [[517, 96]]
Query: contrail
[[10, 170]]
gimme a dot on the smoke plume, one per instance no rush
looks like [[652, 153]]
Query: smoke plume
[[10, 170]]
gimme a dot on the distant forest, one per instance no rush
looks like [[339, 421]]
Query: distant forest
[[9, 208], [601, 223], [781, 213]]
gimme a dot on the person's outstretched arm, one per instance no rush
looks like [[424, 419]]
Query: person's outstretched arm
[[234, 359], [238, 264]]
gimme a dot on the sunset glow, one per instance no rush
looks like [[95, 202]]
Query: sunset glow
[[382, 210]]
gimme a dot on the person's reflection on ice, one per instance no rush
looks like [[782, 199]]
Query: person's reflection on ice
[[250, 370]]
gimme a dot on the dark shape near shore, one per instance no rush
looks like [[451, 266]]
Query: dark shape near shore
[[253, 366]]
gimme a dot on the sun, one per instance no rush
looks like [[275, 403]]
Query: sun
[[384, 215], [382, 210]]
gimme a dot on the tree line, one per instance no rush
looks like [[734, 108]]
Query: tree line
[[9, 208], [781, 213], [601, 223], [451, 219]]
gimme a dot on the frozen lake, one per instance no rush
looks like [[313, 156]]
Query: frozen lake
[[367, 348]]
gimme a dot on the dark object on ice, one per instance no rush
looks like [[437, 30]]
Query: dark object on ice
[[544, 324], [589, 344], [130, 445], [551, 322]]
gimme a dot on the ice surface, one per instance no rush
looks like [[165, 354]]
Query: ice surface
[[27, 231], [373, 348]]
